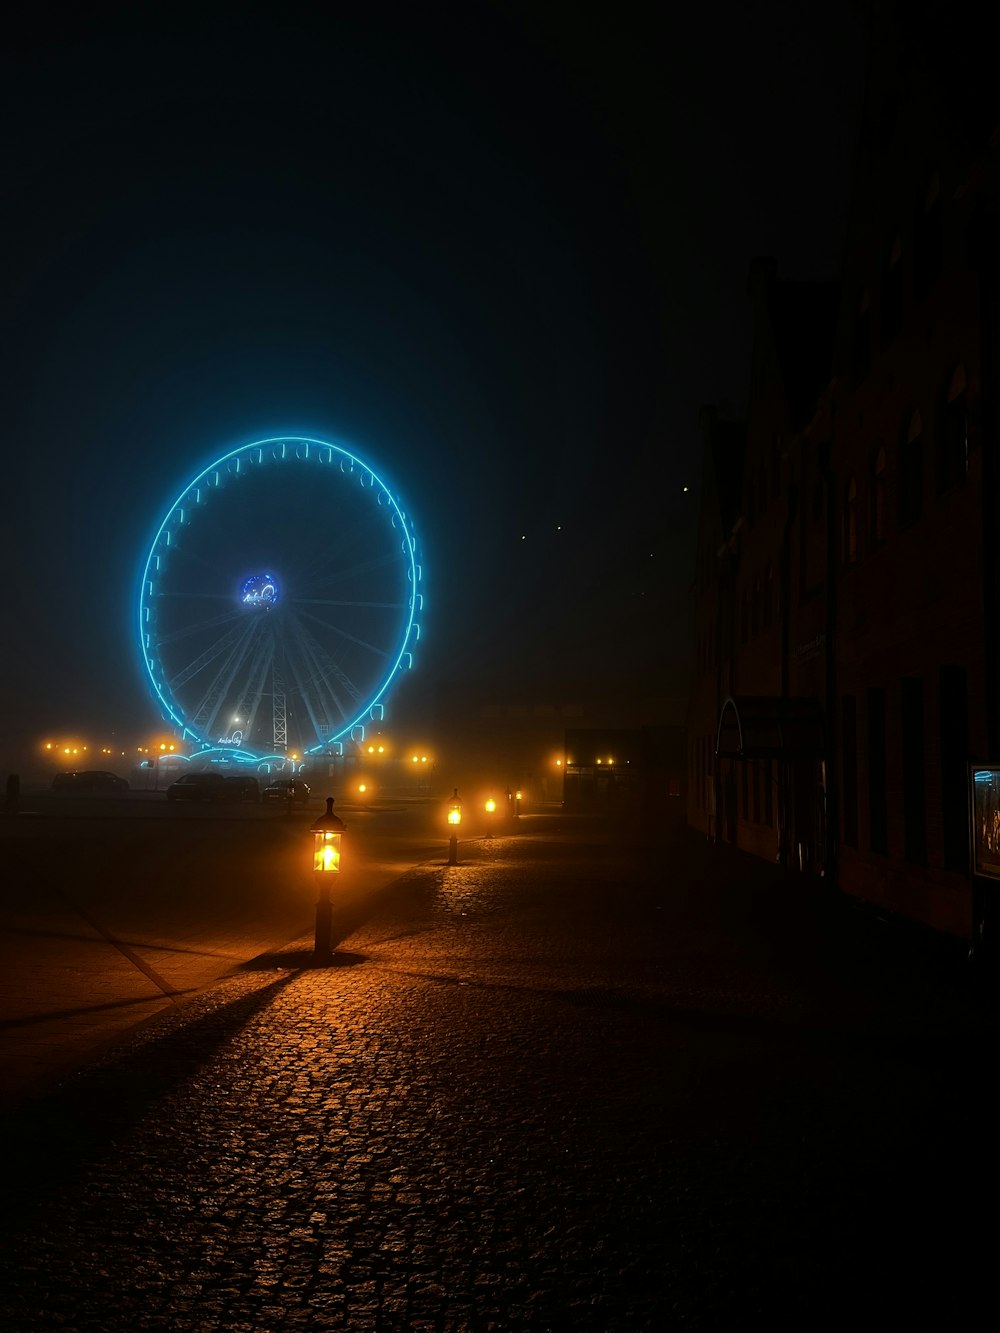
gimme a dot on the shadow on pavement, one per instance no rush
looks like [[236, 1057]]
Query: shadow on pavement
[[52, 1137], [299, 960]]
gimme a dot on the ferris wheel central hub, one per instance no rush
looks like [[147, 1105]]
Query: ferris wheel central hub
[[259, 590]]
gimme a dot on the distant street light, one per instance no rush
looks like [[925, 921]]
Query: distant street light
[[454, 819], [327, 832], [491, 807]]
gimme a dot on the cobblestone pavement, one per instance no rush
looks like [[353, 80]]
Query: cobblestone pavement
[[553, 1087]]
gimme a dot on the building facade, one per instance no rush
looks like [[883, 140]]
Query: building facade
[[875, 687]]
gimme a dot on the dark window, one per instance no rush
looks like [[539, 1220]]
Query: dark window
[[892, 292], [775, 466], [878, 499], [849, 716], [851, 523], [863, 338], [954, 703], [910, 506], [911, 699], [878, 838], [928, 258], [952, 451]]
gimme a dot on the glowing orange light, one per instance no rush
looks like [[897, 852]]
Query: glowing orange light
[[326, 853]]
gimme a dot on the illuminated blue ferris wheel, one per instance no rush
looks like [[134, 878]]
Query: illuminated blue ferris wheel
[[280, 599]]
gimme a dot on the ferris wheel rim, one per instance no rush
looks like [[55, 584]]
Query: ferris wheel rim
[[327, 452]]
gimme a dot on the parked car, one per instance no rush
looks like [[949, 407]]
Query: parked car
[[242, 788], [199, 787], [286, 791], [90, 780]]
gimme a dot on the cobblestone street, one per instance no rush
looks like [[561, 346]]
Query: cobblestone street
[[562, 1085]]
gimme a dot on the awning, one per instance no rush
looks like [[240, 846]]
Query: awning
[[759, 726]]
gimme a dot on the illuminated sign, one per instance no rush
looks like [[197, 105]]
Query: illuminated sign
[[984, 805]]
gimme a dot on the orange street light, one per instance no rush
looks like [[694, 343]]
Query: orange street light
[[326, 832], [454, 819]]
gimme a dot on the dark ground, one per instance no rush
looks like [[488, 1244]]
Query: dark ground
[[570, 1083]]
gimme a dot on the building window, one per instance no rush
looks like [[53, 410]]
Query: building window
[[892, 292], [775, 468], [849, 730], [851, 523], [863, 337], [952, 451], [911, 700], [878, 499], [928, 259], [954, 715], [910, 496], [878, 837]]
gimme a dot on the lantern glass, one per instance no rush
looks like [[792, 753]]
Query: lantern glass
[[454, 815], [326, 852]]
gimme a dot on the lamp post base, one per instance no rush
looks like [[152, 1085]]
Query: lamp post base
[[322, 951], [453, 850]]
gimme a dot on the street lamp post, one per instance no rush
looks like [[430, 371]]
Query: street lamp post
[[491, 807], [454, 819], [327, 832]]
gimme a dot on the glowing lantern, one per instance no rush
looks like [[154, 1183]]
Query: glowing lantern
[[327, 832]]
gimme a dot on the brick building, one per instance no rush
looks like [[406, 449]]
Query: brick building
[[866, 519]]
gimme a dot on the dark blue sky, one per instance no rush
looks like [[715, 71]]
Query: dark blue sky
[[500, 250]]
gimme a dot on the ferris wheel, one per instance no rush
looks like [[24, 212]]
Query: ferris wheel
[[279, 600]]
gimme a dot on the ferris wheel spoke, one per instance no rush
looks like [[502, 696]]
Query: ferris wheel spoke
[[359, 570], [212, 700], [324, 673], [257, 676], [211, 654], [306, 681], [199, 627], [350, 638], [328, 601]]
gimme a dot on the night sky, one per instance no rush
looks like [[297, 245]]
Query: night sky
[[499, 250]]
